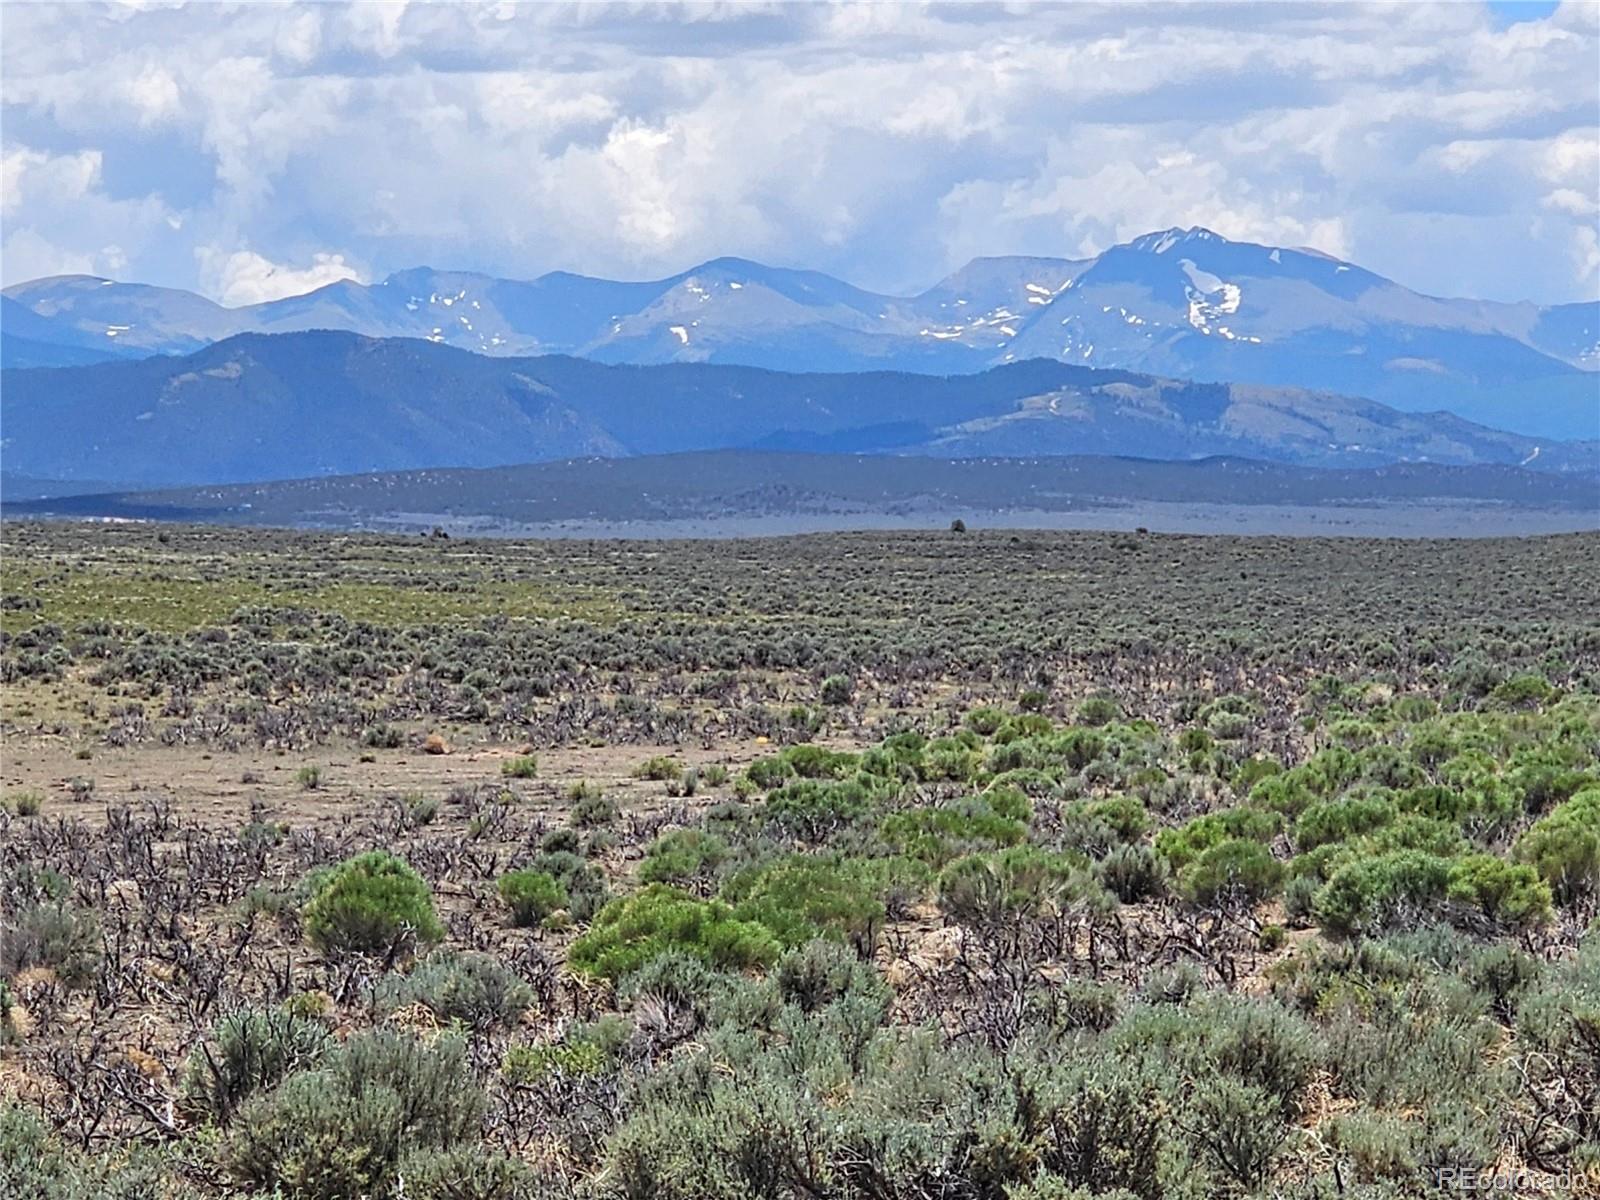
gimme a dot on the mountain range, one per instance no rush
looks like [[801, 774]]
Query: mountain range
[[280, 406], [1181, 303]]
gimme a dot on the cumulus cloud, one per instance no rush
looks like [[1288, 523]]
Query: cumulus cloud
[[244, 277], [885, 143]]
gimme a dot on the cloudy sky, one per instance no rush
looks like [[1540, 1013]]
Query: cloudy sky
[[257, 150]]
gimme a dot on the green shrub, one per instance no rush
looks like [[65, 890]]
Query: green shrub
[[951, 759], [593, 811], [1506, 893], [531, 895], [938, 835], [339, 1131], [369, 903], [528, 1063], [660, 768], [475, 989], [767, 773], [805, 897], [1237, 871], [1286, 793], [995, 890], [382, 737], [1400, 887], [810, 761], [1099, 710], [249, 1051], [630, 932], [1125, 815], [1563, 846], [837, 690], [821, 973], [1239, 1128], [682, 855], [1523, 691], [52, 933], [813, 809], [1340, 820], [309, 778], [419, 809], [562, 841], [985, 721], [1134, 873], [584, 885], [1558, 1034], [1251, 772], [27, 804], [1182, 846], [522, 766], [467, 1173]]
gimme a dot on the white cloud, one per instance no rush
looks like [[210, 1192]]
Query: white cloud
[[883, 142], [51, 179], [244, 277], [155, 95]]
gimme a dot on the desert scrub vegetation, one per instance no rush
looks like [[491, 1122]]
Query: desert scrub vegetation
[[373, 902], [1105, 872]]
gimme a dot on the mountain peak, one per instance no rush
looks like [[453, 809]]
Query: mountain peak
[[1164, 240]]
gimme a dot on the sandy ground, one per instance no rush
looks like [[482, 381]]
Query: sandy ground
[[220, 788]]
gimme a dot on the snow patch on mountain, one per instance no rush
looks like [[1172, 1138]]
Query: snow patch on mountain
[[1209, 298]]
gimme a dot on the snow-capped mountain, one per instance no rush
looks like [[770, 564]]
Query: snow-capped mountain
[[1184, 303]]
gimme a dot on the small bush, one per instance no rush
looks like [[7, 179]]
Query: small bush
[[996, 890], [528, 1063], [1563, 846], [1231, 873], [475, 989], [531, 895], [27, 804], [802, 897], [382, 737], [939, 835], [630, 932], [1340, 820], [370, 903], [1099, 710], [339, 1131], [52, 933], [1134, 873], [821, 973], [661, 768], [594, 811], [1182, 846], [466, 1173], [249, 1051], [812, 809], [682, 855], [419, 809], [309, 778], [523, 766], [837, 690], [1507, 894], [584, 885], [1402, 887]]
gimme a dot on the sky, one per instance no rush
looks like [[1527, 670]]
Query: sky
[[255, 151]]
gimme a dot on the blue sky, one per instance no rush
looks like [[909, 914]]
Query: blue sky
[[251, 151]]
